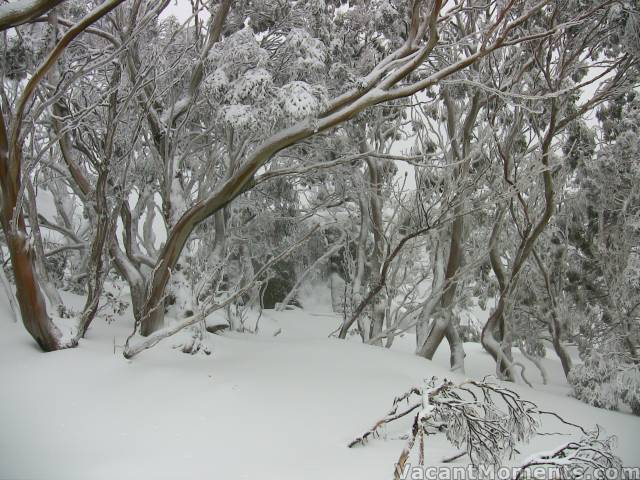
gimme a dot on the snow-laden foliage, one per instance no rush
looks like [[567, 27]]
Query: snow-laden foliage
[[604, 278], [589, 457], [217, 82], [604, 381], [594, 381], [254, 84], [301, 100], [628, 383], [240, 117], [303, 55], [239, 52], [486, 420]]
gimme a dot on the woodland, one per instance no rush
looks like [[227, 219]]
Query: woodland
[[448, 173]]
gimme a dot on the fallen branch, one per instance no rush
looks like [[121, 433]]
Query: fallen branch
[[590, 457], [486, 419]]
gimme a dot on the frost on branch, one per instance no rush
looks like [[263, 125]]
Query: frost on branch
[[239, 117], [590, 457], [301, 100], [306, 54], [594, 381], [255, 84], [239, 52], [603, 381], [629, 386], [485, 419]]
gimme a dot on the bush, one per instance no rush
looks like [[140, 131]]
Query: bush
[[279, 285], [603, 381], [628, 382], [594, 382]]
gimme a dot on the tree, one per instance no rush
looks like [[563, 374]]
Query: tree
[[563, 74], [384, 83], [12, 137]]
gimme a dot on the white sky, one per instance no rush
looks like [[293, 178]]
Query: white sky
[[180, 8]]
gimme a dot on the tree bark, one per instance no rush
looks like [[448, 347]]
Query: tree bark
[[378, 310], [19, 12], [33, 309], [460, 152], [497, 319], [423, 325], [47, 285]]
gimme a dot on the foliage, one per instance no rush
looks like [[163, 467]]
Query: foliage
[[594, 382], [485, 419]]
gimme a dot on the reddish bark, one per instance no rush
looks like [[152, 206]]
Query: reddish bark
[[33, 308]]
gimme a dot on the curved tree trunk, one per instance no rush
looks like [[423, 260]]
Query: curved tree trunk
[[497, 322], [555, 326], [456, 346], [555, 330], [49, 289], [493, 331], [460, 153], [378, 310], [443, 322], [32, 304], [423, 325]]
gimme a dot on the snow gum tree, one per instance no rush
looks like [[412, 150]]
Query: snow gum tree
[[192, 159], [390, 79], [14, 132]]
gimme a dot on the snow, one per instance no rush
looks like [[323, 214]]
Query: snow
[[252, 86], [301, 100], [46, 204], [239, 116], [261, 406]]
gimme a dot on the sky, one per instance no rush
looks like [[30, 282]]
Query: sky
[[180, 8]]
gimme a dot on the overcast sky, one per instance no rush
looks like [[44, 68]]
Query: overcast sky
[[179, 8]]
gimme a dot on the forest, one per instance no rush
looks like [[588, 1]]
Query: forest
[[319, 203]]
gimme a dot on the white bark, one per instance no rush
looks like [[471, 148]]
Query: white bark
[[18, 12]]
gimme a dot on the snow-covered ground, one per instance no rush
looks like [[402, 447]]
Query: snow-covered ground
[[260, 407]]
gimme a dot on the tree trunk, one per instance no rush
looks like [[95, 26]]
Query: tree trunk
[[33, 308], [423, 325], [362, 275], [495, 323], [47, 285], [460, 140], [555, 330], [378, 309], [456, 346], [443, 322]]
